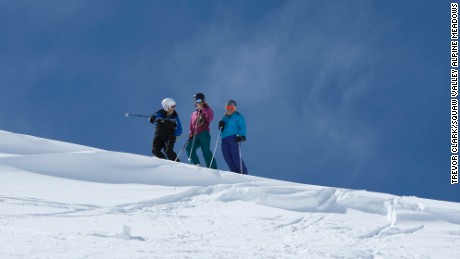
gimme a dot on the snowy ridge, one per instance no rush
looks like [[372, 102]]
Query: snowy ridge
[[61, 200]]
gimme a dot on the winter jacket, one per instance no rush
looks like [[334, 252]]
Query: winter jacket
[[166, 124], [201, 120], [235, 124]]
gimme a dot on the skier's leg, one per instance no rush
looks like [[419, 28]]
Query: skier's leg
[[235, 155], [205, 143], [226, 152], [245, 169], [157, 146], [169, 149], [192, 152]]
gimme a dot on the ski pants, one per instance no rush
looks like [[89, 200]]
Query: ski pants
[[231, 152], [203, 141], [166, 143]]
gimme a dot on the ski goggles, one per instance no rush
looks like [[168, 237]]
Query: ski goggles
[[230, 108], [198, 101], [174, 106]]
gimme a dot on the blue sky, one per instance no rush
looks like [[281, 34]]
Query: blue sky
[[351, 94]]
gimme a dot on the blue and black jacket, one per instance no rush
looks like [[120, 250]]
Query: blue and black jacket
[[166, 124]]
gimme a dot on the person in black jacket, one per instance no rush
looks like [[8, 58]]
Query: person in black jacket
[[167, 129]]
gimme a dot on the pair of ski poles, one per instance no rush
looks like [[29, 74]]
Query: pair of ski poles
[[239, 151], [193, 144]]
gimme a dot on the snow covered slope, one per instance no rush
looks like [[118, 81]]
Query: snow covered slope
[[60, 200]]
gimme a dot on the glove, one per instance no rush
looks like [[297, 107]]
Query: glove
[[190, 135], [200, 120], [240, 138], [152, 119], [221, 125]]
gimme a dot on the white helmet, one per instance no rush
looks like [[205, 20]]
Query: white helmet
[[167, 103]]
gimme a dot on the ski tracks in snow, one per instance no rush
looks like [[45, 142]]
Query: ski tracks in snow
[[211, 221]]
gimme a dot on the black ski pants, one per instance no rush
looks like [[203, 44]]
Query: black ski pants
[[166, 143]]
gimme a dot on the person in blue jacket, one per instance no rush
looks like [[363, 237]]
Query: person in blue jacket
[[233, 131], [167, 129]]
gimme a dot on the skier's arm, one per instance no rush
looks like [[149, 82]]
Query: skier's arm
[[207, 114], [178, 130], [156, 117], [242, 126], [152, 118]]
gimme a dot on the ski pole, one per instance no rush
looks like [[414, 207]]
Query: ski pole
[[180, 152], [193, 141], [215, 147], [136, 115], [241, 158]]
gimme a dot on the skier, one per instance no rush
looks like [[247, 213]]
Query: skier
[[233, 131], [199, 136], [168, 128]]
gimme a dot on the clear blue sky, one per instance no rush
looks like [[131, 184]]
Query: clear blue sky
[[352, 94]]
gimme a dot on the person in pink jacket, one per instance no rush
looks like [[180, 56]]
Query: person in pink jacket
[[199, 136]]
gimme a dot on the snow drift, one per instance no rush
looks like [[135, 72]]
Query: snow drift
[[61, 200]]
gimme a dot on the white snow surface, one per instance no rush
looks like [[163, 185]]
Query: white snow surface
[[61, 200]]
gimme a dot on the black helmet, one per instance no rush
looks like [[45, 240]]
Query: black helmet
[[199, 96], [231, 102]]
